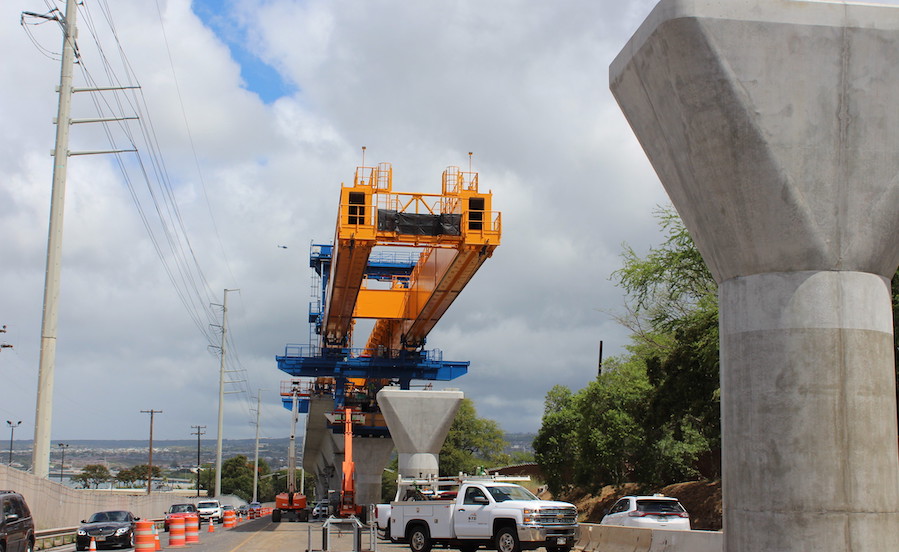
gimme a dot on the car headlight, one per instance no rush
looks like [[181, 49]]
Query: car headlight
[[529, 515], [82, 532], [121, 531]]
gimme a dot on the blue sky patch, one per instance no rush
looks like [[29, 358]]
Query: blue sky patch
[[258, 76]]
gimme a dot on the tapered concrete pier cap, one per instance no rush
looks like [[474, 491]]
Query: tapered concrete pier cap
[[418, 422], [774, 127]]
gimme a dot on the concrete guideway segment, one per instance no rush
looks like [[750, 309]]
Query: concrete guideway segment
[[772, 126]]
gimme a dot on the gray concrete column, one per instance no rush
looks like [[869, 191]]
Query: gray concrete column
[[370, 456], [418, 422], [809, 413], [773, 126]]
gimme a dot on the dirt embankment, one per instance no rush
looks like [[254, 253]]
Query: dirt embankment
[[702, 499]]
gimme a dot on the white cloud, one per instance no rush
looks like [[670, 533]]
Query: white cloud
[[521, 84]]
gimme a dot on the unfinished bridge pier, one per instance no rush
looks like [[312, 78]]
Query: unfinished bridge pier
[[419, 422], [773, 126]]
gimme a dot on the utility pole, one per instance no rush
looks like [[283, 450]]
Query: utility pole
[[256, 455], [12, 431], [218, 442], [199, 432], [150, 461], [599, 367], [43, 416]]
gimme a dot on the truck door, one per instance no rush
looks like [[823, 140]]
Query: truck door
[[472, 516]]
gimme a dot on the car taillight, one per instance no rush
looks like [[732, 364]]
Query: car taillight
[[636, 513], [683, 515]]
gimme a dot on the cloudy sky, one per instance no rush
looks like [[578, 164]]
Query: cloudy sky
[[252, 114]]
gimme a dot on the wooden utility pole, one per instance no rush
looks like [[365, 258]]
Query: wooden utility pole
[[150, 461]]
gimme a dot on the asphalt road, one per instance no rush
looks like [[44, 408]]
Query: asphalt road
[[261, 535]]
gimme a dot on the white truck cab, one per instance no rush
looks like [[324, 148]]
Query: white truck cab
[[482, 511]]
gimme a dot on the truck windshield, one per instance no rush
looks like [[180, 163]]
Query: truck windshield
[[510, 492]]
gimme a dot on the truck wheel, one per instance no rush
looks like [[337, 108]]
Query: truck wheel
[[507, 540], [420, 538], [276, 516]]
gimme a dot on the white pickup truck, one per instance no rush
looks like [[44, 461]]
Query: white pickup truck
[[484, 512]]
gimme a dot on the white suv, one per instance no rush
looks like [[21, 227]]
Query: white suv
[[652, 512], [211, 510]]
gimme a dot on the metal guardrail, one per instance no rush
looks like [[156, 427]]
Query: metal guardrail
[[51, 538]]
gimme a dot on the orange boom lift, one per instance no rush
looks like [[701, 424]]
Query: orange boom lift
[[348, 506]]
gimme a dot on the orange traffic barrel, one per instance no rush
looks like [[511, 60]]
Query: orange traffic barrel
[[230, 519], [143, 536], [176, 532], [192, 529]]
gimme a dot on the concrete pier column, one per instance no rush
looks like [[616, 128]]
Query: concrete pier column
[[370, 456], [418, 422], [773, 126]]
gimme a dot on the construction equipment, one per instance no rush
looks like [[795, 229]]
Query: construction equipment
[[348, 506], [292, 504]]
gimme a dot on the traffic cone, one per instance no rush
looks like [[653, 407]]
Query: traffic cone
[[93, 546], [211, 525], [156, 538]]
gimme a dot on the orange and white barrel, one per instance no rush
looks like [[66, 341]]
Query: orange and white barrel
[[144, 541], [192, 529], [230, 519], [176, 532]]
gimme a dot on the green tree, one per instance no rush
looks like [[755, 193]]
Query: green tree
[[556, 446], [388, 479], [610, 436], [142, 472], [126, 477], [472, 442], [92, 475], [672, 302], [237, 479], [207, 479]]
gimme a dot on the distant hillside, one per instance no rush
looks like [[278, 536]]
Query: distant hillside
[[118, 454]]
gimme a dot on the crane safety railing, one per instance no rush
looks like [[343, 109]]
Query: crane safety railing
[[429, 355]]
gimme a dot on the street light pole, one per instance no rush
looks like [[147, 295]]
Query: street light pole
[[12, 431], [62, 463], [256, 455]]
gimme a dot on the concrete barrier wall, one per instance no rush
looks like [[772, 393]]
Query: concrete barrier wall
[[54, 505], [610, 538]]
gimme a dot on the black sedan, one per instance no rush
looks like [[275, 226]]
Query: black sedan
[[108, 529]]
